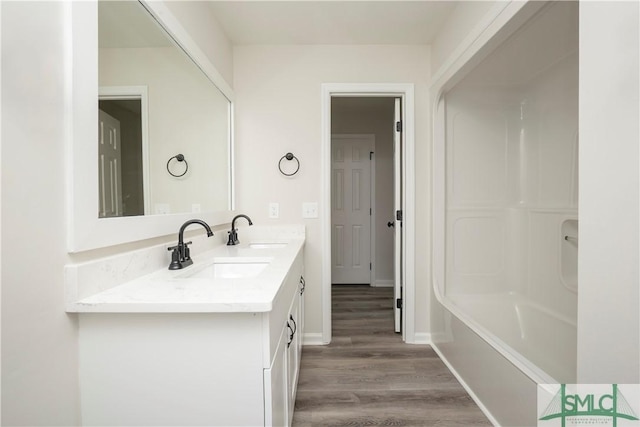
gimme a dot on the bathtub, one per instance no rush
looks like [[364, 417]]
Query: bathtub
[[501, 382], [539, 342], [500, 347]]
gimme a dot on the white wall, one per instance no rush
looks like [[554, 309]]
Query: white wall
[[461, 23], [374, 116], [609, 298], [39, 340], [278, 110]]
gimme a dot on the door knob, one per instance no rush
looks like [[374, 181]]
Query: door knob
[[391, 224]]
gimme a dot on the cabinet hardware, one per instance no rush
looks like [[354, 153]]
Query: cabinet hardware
[[303, 285], [290, 335], [295, 326], [293, 330]]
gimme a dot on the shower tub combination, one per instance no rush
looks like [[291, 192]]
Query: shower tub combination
[[506, 216]]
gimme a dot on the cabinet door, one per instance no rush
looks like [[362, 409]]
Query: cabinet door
[[301, 314], [293, 356], [276, 386]]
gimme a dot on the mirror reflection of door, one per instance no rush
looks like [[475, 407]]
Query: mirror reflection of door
[[121, 158], [109, 152]]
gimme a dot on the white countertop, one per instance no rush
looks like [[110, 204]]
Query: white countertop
[[167, 291]]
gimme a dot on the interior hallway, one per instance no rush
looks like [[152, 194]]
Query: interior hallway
[[367, 376]]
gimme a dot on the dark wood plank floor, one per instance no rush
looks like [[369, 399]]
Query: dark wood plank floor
[[368, 377]]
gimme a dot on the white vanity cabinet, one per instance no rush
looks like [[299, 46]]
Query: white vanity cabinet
[[283, 373], [194, 368]]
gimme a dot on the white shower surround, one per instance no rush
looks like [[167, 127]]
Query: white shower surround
[[505, 188]]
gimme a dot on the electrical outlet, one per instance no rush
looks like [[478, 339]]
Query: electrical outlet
[[274, 210], [162, 208], [310, 210]]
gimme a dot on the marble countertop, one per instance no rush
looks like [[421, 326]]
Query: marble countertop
[[166, 291]]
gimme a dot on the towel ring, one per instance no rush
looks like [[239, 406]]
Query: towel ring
[[179, 158], [289, 156]]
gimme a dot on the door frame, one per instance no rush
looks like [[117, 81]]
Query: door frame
[[372, 188], [405, 91]]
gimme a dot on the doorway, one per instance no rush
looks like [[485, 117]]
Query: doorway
[[336, 96]]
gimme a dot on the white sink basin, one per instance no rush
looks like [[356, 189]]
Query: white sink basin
[[266, 245], [228, 270]]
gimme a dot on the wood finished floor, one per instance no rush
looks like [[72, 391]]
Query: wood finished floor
[[368, 377]]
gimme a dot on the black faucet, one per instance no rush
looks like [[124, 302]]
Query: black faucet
[[180, 257], [233, 234]]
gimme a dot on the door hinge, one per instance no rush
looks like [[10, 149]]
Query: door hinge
[[370, 212], [399, 303], [370, 155], [399, 215], [370, 266], [398, 126]]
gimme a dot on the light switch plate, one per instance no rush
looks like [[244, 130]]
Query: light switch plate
[[310, 210]]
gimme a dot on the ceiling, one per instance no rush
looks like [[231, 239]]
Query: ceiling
[[331, 22]]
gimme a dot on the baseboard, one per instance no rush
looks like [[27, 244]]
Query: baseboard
[[312, 339], [475, 398], [422, 338], [382, 284]]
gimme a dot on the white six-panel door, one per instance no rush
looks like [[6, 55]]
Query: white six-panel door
[[351, 208], [109, 165]]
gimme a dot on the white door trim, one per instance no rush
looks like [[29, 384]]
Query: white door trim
[[406, 92]]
